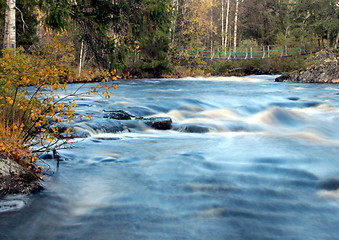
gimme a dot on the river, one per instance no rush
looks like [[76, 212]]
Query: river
[[246, 158]]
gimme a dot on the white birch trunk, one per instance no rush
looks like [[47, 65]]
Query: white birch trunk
[[222, 24], [226, 25], [235, 26], [81, 58], [212, 25], [10, 27], [336, 41], [175, 8]]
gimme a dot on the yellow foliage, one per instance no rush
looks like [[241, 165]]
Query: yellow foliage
[[24, 118]]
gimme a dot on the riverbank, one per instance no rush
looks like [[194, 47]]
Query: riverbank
[[15, 179], [322, 68]]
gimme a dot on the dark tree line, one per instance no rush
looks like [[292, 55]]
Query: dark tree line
[[119, 34]]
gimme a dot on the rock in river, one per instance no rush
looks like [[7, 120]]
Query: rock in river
[[126, 118], [15, 179]]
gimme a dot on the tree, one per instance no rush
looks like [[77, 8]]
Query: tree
[[226, 24], [91, 19], [150, 31], [117, 33], [10, 25], [25, 23], [264, 20], [235, 26], [316, 19]]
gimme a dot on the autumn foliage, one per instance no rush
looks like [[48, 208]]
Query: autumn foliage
[[26, 116]]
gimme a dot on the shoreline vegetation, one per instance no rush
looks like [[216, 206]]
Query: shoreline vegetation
[[28, 121]]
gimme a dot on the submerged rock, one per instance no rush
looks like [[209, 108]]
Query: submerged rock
[[100, 126], [193, 128], [118, 115], [113, 122], [331, 184], [323, 69], [160, 123], [128, 119]]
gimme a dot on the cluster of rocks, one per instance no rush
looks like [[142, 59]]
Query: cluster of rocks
[[114, 121], [160, 123], [323, 68]]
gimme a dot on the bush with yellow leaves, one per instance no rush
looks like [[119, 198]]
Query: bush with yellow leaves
[[25, 118]]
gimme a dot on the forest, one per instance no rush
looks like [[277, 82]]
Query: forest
[[141, 38]]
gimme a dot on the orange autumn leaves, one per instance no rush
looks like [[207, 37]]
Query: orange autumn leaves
[[26, 118]]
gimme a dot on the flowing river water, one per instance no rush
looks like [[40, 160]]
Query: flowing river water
[[246, 158]]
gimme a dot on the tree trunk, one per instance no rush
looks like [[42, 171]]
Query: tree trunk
[[175, 9], [235, 26], [10, 27], [329, 40], [226, 25], [81, 58], [222, 24], [212, 26], [336, 41]]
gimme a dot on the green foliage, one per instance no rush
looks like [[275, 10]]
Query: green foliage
[[92, 21], [143, 44], [262, 20], [315, 18], [221, 67], [180, 71], [3, 5], [26, 22]]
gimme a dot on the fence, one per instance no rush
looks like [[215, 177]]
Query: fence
[[244, 53]]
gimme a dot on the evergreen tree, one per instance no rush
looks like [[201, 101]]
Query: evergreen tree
[[316, 19], [115, 31]]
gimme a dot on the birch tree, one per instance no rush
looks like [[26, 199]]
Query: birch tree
[[222, 23], [235, 26], [226, 24], [10, 26], [212, 13]]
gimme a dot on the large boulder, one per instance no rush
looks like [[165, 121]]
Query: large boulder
[[323, 68]]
